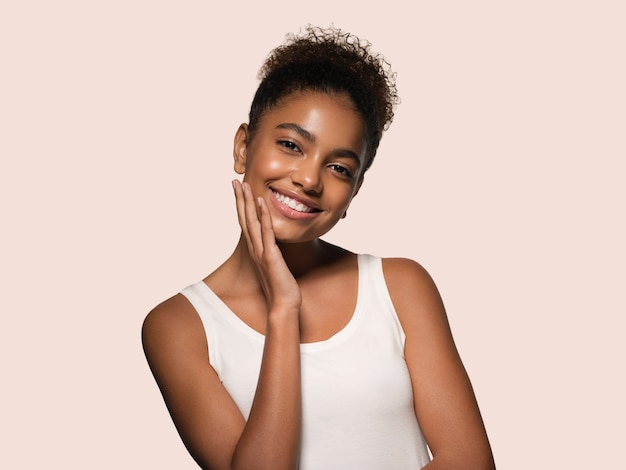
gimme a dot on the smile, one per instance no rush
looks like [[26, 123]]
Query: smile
[[293, 203]]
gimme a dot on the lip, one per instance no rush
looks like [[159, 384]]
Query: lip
[[288, 211]]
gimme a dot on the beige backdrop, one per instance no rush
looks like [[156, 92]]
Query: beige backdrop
[[503, 174]]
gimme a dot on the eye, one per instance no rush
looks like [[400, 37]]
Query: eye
[[342, 170], [289, 145]]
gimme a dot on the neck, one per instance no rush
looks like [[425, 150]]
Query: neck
[[300, 257]]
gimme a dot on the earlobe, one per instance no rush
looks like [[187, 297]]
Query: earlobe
[[240, 146]]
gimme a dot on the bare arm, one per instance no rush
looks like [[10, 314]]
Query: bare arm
[[209, 422], [444, 400], [273, 428]]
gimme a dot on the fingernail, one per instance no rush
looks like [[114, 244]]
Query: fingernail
[[259, 201]]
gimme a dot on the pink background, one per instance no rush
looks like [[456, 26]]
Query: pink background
[[503, 174]]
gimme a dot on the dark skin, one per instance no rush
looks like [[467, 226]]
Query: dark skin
[[281, 280]]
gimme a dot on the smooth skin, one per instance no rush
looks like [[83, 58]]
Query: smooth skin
[[280, 280]]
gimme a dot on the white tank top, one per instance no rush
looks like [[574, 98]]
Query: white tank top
[[357, 401]]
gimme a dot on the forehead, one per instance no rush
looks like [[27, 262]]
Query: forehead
[[330, 118]]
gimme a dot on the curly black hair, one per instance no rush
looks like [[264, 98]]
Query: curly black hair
[[334, 62]]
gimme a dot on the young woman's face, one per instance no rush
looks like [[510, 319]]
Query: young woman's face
[[305, 160]]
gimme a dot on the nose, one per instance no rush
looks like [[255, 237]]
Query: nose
[[307, 175]]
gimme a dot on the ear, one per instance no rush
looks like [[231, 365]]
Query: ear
[[240, 147]]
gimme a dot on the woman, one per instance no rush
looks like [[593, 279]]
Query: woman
[[295, 353]]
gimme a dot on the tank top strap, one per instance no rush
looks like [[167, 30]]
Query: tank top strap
[[374, 291]]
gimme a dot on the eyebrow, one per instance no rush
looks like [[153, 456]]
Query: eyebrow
[[299, 129], [311, 138]]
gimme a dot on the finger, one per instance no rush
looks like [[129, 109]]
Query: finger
[[267, 228], [241, 209], [239, 202], [253, 225]]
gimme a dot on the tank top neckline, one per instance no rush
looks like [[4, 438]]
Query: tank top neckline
[[336, 338]]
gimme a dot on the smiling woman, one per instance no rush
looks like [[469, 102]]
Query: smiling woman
[[295, 353]]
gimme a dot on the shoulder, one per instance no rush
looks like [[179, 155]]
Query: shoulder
[[404, 272], [170, 327], [407, 279], [174, 315], [413, 293]]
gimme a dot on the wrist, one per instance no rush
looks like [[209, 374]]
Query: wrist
[[280, 313], [283, 319]]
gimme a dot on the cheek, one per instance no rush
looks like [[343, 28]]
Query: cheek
[[267, 164], [273, 164]]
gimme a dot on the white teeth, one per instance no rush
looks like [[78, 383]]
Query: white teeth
[[292, 203]]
